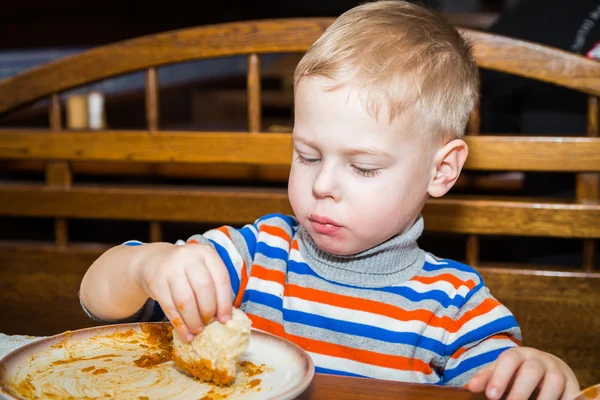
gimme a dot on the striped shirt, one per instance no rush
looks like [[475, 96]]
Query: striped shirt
[[438, 326]]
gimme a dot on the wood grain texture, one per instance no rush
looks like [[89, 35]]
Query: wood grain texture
[[152, 102], [535, 61], [557, 313], [244, 205], [177, 147], [222, 40], [272, 36], [330, 387], [39, 285], [254, 107], [575, 154]]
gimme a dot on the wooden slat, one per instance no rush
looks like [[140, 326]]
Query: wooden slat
[[55, 113], [588, 184], [200, 205], [273, 36], [535, 61], [152, 114], [254, 107], [155, 231], [467, 216], [503, 217], [514, 153], [472, 250], [182, 147], [58, 173], [223, 40]]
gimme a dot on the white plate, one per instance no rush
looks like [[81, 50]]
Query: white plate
[[99, 361]]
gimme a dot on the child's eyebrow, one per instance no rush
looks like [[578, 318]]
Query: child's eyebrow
[[348, 152], [370, 152]]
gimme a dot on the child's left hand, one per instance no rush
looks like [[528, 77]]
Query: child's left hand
[[523, 371]]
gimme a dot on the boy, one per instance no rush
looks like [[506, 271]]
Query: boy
[[381, 101]]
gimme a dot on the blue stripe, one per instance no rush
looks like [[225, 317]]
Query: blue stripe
[[265, 299], [473, 362], [449, 264], [437, 295], [233, 274], [349, 328], [271, 252], [289, 220], [133, 243], [321, 370], [250, 239], [503, 324]]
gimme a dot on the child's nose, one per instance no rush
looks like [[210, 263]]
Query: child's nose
[[326, 184]]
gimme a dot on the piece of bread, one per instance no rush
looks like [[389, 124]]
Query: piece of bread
[[213, 354]]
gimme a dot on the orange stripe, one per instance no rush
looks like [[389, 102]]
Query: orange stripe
[[453, 280], [225, 231], [265, 274], [193, 241], [371, 306], [266, 325], [275, 231], [295, 245], [498, 336], [336, 350], [486, 306], [243, 282]]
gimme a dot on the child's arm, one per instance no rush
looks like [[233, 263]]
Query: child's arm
[[484, 354], [190, 283]]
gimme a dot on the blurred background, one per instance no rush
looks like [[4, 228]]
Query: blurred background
[[211, 95]]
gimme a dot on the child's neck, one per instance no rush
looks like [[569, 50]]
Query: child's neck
[[390, 263]]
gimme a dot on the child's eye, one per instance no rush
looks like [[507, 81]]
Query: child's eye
[[306, 161], [365, 172]]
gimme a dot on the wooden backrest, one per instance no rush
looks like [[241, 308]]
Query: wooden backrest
[[60, 198]]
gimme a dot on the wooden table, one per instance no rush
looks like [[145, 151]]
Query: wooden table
[[326, 387]]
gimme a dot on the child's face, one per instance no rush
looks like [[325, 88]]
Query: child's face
[[355, 181]]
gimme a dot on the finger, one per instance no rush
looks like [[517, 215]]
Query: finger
[[480, 380], [185, 302], [530, 374], [170, 310], [222, 284], [200, 280], [507, 365], [553, 386]]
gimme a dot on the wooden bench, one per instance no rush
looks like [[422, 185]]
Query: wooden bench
[[557, 307]]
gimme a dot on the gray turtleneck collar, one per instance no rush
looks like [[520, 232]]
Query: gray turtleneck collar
[[390, 263]]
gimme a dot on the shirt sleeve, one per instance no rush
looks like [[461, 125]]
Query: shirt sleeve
[[479, 332], [234, 246]]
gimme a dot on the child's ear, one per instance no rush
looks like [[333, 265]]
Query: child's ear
[[448, 162]]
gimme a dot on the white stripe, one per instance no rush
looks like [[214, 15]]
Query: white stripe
[[295, 255], [230, 248], [432, 260], [442, 285], [268, 287], [481, 320], [364, 317], [274, 241], [372, 371]]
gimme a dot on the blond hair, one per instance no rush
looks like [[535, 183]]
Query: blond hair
[[399, 55]]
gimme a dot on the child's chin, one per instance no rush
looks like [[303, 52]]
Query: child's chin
[[336, 246]]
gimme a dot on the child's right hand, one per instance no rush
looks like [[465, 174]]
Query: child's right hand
[[191, 284]]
